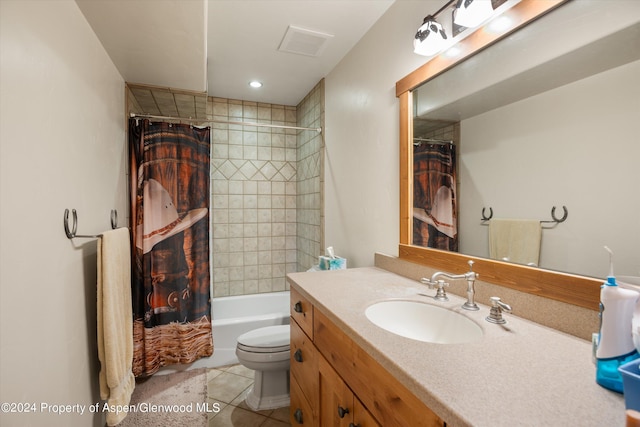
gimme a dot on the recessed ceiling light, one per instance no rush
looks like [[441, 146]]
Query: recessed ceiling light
[[255, 84]]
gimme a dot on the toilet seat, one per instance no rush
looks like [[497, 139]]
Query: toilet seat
[[270, 339]]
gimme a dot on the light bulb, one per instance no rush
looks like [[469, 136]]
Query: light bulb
[[471, 13], [430, 38]]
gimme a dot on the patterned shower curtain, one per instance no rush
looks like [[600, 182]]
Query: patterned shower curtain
[[169, 180], [435, 211]]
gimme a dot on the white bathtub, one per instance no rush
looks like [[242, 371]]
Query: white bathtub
[[232, 317]]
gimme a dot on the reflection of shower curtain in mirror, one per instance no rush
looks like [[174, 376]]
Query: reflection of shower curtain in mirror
[[169, 183], [435, 214]]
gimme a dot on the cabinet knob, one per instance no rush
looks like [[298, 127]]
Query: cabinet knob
[[298, 355], [354, 425], [342, 411], [297, 415], [297, 307]]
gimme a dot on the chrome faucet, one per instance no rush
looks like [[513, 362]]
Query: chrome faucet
[[497, 307], [441, 295]]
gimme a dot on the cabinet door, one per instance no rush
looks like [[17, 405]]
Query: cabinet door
[[388, 400], [304, 363], [300, 412], [336, 399], [362, 417]]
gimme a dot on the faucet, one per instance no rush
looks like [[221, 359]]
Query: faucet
[[497, 307], [441, 295]]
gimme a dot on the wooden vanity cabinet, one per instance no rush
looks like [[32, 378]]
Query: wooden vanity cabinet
[[334, 382]]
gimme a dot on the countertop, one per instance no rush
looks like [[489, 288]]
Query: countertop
[[518, 374]]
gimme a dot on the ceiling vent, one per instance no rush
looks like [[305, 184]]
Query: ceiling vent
[[304, 42]]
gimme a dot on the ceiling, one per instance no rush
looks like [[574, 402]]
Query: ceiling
[[218, 46]]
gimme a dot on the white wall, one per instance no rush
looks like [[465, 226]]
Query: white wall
[[361, 125], [62, 145]]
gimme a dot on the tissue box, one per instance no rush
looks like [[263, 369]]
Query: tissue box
[[630, 372], [328, 263]]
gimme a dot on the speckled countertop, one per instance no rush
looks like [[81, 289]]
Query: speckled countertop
[[518, 374]]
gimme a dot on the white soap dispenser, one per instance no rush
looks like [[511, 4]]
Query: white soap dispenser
[[633, 282], [615, 341]]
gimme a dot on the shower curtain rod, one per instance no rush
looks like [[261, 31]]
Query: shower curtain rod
[[190, 119], [431, 140]]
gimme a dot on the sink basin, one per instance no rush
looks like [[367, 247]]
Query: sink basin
[[423, 322]]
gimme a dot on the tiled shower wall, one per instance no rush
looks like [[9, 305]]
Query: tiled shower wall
[[310, 185], [253, 173], [266, 193]]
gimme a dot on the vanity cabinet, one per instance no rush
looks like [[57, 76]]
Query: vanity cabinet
[[334, 382]]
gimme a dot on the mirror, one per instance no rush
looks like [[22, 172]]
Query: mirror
[[476, 106], [524, 151]]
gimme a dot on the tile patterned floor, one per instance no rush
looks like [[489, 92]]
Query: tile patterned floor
[[227, 387]]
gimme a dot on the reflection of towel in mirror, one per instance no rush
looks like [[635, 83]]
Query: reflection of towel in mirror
[[515, 240], [115, 321]]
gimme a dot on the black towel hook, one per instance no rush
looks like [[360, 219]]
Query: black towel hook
[[558, 220], [71, 232], [487, 218]]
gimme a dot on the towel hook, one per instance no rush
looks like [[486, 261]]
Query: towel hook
[[72, 232], [485, 217], [114, 219], [558, 220]]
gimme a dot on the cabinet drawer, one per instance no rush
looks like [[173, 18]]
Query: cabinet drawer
[[302, 312], [300, 413], [304, 363]]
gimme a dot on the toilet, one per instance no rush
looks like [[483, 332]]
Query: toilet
[[266, 351]]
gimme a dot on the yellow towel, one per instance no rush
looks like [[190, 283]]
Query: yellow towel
[[115, 321], [515, 240]]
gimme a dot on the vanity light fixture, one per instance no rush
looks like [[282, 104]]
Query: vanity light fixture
[[471, 13], [460, 18], [430, 38], [255, 84]]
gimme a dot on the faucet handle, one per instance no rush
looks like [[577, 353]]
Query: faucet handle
[[432, 285], [497, 307], [470, 262], [441, 295]]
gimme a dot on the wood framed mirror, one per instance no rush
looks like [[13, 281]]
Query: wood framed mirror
[[569, 288]]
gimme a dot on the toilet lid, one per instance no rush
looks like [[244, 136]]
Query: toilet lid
[[270, 339]]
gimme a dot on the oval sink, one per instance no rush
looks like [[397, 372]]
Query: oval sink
[[423, 322]]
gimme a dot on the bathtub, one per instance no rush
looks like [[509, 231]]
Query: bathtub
[[232, 317]]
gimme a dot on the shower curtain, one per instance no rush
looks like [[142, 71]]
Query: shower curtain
[[169, 181], [435, 214]]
